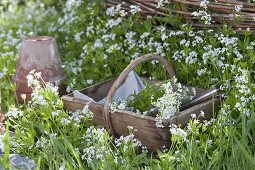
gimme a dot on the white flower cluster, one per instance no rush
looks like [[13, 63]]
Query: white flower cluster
[[114, 11], [42, 143], [202, 71], [113, 48], [127, 141], [14, 112], [75, 118], [203, 16], [118, 105], [33, 79], [113, 22], [161, 3], [77, 36], [2, 143], [86, 112], [70, 4], [204, 4], [238, 8], [135, 9], [177, 133], [56, 113], [96, 141], [243, 88], [169, 103]]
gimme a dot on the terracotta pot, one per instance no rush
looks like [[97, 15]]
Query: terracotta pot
[[39, 53]]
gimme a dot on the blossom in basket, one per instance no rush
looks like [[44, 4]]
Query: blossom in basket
[[119, 105], [168, 104]]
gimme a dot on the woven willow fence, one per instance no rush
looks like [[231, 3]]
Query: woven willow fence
[[240, 15]]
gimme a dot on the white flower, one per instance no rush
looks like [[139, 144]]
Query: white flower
[[202, 113], [89, 81], [56, 113], [201, 71], [127, 141], [112, 22], [38, 75], [193, 116], [238, 8], [204, 4], [183, 41], [209, 142], [23, 96], [164, 36], [110, 11], [85, 111], [177, 133], [71, 4], [77, 36], [134, 9], [65, 121], [122, 106], [203, 16], [42, 142], [191, 58], [98, 44], [14, 112], [114, 47], [37, 98], [90, 30], [161, 3], [168, 104], [33, 79], [2, 146], [146, 34], [108, 37]]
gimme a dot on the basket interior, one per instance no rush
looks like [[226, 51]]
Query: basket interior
[[100, 90]]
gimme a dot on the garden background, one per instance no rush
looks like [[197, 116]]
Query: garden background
[[96, 44]]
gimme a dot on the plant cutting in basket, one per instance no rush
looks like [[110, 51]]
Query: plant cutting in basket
[[161, 101]]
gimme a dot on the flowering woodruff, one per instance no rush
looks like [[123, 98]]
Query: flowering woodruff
[[95, 47]]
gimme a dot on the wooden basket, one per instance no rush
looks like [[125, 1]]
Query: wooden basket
[[152, 137], [221, 11]]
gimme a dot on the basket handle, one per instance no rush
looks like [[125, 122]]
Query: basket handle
[[122, 77]]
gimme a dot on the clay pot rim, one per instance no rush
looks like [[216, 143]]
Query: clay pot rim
[[38, 38]]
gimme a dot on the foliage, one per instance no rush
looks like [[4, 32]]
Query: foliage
[[142, 101]]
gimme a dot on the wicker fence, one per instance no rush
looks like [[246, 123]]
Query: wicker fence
[[240, 15]]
